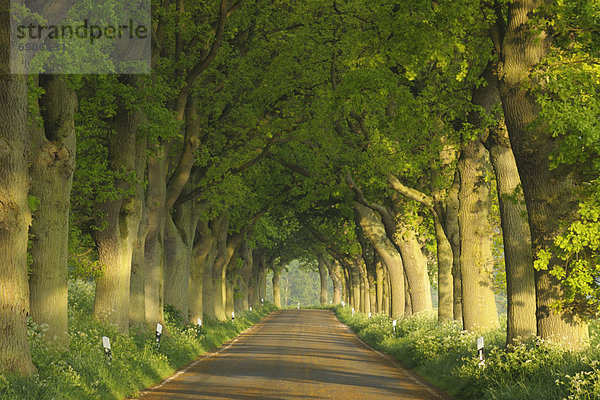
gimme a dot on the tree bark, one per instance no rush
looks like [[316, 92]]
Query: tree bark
[[52, 164], [375, 232], [180, 230], [333, 267], [244, 281], [476, 260], [277, 287], [518, 258], [15, 216], [551, 196], [153, 247], [379, 277], [453, 234], [323, 280], [137, 306], [121, 222], [200, 253]]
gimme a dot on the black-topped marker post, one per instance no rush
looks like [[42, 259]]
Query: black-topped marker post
[[480, 352], [158, 335], [106, 345]]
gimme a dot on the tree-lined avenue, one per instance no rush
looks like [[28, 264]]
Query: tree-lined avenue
[[295, 354]]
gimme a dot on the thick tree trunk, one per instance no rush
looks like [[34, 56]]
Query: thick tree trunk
[[15, 216], [137, 306], [408, 308], [121, 222], [243, 282], [551, 196], [207, 286], [453, 234], [518, 258], [323, 280], [180, 230], [52, 164], [387, 293], [253, 287], [375, 232], [372, 287], [415, 268], [262, 287], [333, 266], [153, 247], [219, 271], [478, 300], [277, 287], [200, 253], [380, 277]]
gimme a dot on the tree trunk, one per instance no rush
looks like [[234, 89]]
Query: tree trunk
[[415, 269], [387, 293], [207, 286], [153, 247], [15, 216], [276, 287], [478, 300], [323, 280], [200, 253], [121, 222], [52, 164], [253, 287], [180, 232], [379, 277], [551, 196], [137, 306], [518, 258], [453, 234], [242, 302], [375, 232], [262, 287], [336, 278]]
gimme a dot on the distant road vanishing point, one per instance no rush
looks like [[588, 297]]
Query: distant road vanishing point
[[295, 354]]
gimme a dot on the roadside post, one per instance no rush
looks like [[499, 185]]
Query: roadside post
[[106, 345], [369, 315], [250, 308], [232, 316], [199, 327], [158, 335], [394, 323], [353, 311], [262, 302], [480, 351], [343, 304], [298, 306]]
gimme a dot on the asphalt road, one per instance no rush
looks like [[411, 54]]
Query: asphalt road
[[294, 354]]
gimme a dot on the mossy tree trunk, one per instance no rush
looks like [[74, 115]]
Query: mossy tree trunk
[[374, 231], [476, 260], [52, 164], [551, 195]]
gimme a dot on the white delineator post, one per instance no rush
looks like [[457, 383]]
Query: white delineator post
[[106, 345], [480, 351], [158, 334], [394, 323]]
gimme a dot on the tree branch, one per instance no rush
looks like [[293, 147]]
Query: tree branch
[[410, 193]]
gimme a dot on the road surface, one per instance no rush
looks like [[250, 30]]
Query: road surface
[[294, 354]]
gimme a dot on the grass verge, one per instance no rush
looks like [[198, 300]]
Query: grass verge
[[83, 372], [446, 356]]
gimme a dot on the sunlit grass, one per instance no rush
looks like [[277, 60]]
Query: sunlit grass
[[84, 372], [447, 357]]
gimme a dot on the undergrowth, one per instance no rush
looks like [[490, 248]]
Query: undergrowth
[[84, 372], [447, 357]]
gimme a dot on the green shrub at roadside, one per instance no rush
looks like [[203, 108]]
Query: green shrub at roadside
[[83, 372], [447, 357]]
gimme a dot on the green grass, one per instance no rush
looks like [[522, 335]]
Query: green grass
[[447, 357], [83, 372]]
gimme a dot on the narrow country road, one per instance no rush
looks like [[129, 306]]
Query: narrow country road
[[295, 354]]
